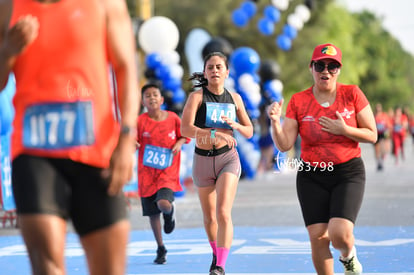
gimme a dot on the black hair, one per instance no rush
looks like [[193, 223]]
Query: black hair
[[149, 85], [199, 76]]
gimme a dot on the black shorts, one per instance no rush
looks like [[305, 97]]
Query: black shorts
[[380, 136], [327, 194], [149, 204], [66, 189]]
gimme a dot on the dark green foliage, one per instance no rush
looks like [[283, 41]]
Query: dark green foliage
[[372, 58]]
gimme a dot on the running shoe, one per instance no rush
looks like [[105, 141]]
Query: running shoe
[[380, 167], [213, 263], [161, 255], [218, 270], [352, 266], [169, 220]]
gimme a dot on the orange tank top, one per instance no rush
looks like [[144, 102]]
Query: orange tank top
[[63, 101]]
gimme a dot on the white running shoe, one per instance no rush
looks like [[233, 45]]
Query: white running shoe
[[352, 266]]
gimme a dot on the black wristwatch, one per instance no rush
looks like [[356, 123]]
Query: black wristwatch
[[127, 130]]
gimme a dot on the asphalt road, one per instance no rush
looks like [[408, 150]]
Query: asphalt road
[[270, 200]]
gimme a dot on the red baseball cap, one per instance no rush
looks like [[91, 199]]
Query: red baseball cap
[[327, 51]]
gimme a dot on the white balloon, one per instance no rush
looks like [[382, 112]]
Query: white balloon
[[245, 81], [229, 84], [251, 88], [294, 20], [254, 94], [276, 85], [303, 12], [281, 4], [176, 71], [194, 45], [158, 34], [170, 57]]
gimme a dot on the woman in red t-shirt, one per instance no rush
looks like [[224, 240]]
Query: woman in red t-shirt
[[384, 128], [399, 128], [411, 125], [331, 119]]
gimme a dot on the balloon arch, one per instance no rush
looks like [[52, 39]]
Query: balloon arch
[[255, 80]]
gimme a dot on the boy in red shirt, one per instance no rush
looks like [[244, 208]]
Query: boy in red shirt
[[159, 141]]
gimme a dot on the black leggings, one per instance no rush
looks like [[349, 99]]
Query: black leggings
[[327, 194]]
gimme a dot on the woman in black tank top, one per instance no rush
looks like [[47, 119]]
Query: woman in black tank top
[[210, 115]]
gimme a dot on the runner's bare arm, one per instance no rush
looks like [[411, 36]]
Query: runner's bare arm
[[244, 126], [284, 136], [5, 60], [121, 49], [188, 129], [121, 45], [15, 39]]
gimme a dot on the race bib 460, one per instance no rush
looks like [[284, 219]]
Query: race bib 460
[[58, 125], [157, 157]]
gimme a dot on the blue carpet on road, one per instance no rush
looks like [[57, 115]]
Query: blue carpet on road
[[255, 250]]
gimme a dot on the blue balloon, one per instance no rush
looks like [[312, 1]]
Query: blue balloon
[[249, 8], [153, 60], [245, 60], [247, 102], [6, 115], [270, 92], [284, 42], [254, 113], [239, 18], [256, 78], [265, 26], [178, 96], [171, 84], [290, 31], [163, 72], [267, 85], [272, 13], [273, 95], [7, 109]]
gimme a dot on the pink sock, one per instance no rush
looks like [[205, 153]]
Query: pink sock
[[222, 254], [213, 245]]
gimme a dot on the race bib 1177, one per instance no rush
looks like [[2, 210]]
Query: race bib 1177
[[58, 125]]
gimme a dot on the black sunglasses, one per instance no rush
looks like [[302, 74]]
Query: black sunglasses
[[320, 66]]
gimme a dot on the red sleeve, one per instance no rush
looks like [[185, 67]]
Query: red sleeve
[[291, 111], [140, 123], [361, 100], [137, 137]]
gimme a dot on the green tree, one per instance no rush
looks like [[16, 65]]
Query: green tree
[[372, 58]]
